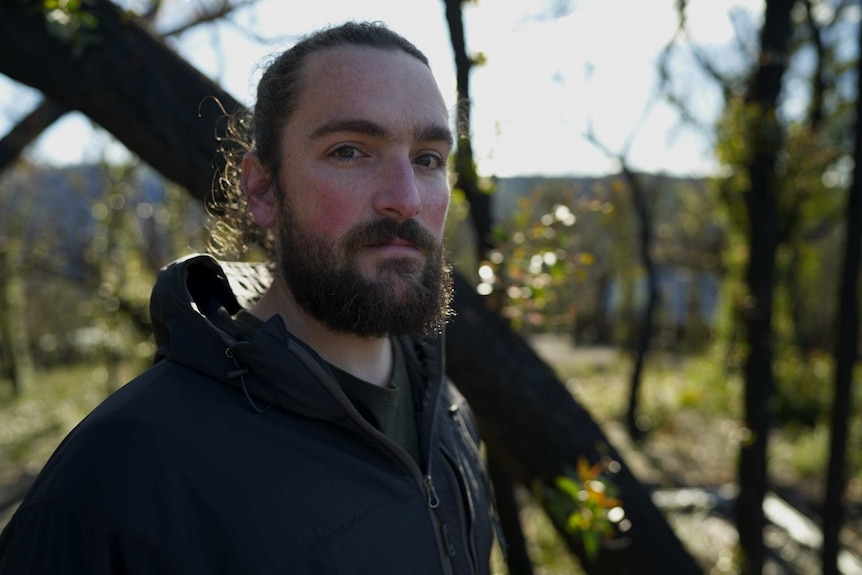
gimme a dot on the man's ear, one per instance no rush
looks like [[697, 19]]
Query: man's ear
[[257, 191]]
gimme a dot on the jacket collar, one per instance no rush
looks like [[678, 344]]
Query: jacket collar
[[191, 309]]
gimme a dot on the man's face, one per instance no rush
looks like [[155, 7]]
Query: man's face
[[364, 193]]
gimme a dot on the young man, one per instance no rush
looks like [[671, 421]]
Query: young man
[[299, 421]]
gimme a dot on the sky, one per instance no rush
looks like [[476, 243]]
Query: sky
[[554, 70]]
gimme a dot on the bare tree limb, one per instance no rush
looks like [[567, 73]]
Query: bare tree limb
[[645, 237], [221, 11], [28, 129]]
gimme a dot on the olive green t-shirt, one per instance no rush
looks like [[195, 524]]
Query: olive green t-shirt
[[389, 409]]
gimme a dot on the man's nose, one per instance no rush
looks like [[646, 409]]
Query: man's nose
[[398, 195]]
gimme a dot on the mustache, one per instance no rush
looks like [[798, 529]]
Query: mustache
[[386, 230]]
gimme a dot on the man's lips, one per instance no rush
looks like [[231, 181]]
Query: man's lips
[[402, 242], [398, 245]]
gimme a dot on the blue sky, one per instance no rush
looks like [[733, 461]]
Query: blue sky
[[553, 69]]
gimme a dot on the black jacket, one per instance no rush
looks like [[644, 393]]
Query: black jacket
[[232, 456]]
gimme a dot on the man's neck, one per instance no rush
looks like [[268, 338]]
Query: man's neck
[[369, 359]]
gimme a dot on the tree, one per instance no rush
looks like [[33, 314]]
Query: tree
[[49, 111], [780, 196], [846, 352], [467, 181], [465, 168], [639, 193], [166, 112], [764, 137], [13, 294]]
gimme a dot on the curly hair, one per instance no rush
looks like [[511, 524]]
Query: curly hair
[[234, 230]]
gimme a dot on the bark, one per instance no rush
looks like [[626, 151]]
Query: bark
[[125, 79], [642, 343], [148, 98], [49, 111], [846, 353], [13, 304], [765, 140], [644, 330], [818, 81], [518, 559], [467, 181], [537, 430], [465, 167]]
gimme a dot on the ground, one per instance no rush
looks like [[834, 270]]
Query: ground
[[689, 458]]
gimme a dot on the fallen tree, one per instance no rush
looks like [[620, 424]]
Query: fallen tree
[[168, 113]]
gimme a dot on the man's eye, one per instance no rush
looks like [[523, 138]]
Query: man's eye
[[432, 161], [346, 153]]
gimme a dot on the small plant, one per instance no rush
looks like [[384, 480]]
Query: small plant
[[585, 502]]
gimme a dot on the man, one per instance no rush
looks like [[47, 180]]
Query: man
[[290, 424]]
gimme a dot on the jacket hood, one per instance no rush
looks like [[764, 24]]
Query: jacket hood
[[191, 310]]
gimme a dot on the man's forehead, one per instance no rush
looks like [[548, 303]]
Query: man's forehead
[[367, 90]]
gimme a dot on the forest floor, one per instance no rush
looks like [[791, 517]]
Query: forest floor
[[688, 456]]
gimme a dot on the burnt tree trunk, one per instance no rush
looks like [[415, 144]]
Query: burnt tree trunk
[[846, 352], [645, 329], [160, 108], [465, 166], [28, 129], [765, 139], [537, 431], [127, 80], [480, 213]]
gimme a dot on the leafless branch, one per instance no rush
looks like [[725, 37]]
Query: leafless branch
[[223, 9]]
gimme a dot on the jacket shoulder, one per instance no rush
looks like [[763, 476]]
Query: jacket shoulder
[[81, 543]]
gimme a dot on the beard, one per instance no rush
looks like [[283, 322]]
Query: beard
[[407, 296]]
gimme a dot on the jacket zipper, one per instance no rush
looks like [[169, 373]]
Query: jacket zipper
[[425, 483]]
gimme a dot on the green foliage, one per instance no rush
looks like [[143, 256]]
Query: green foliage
[[803, 387], [807, 450], [91, 305], [567, 257], [70, 22], [811, 178], [119, 274], [584, 502], [540, 261], [811, 193]]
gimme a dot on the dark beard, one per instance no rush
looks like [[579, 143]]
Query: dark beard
[[407, 298]]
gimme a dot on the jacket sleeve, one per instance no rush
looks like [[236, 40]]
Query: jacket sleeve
[[44, 538]]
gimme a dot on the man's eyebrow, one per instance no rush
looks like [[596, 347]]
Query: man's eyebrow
[[425, 133], [366, 127], [434, 133]]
